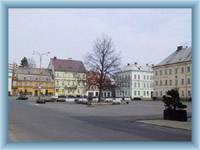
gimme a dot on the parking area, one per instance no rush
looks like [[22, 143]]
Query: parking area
[[134, 108]]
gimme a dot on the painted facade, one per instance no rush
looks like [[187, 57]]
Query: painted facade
[[32, 81], [92, 86], [135, 81], [175, 71], [69, 76]]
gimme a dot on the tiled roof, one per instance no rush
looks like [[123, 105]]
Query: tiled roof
[[181, 55], [68, 65]]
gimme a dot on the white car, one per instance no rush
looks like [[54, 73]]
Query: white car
[[116, 101]]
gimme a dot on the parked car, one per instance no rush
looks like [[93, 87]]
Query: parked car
[[70, 99], [51, 99], [61, 98], [137, 98], [116, 101], [41, 100], [22, 97]]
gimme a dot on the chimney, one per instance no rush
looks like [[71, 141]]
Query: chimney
[[135, 63], [179, 48], [54, 57], [128, 64], [147, 64], [69, 58]]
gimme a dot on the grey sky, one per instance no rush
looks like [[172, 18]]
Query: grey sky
[[141, 35]]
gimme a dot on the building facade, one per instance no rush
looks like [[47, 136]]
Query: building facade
[[92, 85], [32, 81], [135, 81], [175, 71], [10, 76], [69, 76]]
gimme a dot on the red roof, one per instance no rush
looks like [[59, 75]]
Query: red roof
[[68, 65]]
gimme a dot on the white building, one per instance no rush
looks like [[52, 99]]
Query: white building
[[135, 81], [10, 75], [175, 71]]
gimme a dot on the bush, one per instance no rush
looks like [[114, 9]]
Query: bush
[[154, 98], [172, 102]]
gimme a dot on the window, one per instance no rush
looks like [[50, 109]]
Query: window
[[135, 85], [176, 70], [144, 93], [156, 73], [156, 83], [165, 82], [147, 77], [135, 93], [151, 77], [160, 72], [170, 82], [176, 82], [188, 80], [170, 71], [138, 93], [160, 82], [138, 77], [139, 84], [182, 93], [189, 93], [166, 72], [182, 70], [182, 81], [188, 69], [135, 76], [144, 77]]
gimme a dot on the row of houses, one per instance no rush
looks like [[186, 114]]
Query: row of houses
[[70, 77], [62, 77]]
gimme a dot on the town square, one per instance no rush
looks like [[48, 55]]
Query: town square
[[100, 75]]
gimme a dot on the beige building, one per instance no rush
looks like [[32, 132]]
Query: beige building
[[174, 72], [32, 81]]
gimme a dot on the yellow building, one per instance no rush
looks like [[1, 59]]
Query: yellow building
[[32, 81], [175, 71], [69, 76]]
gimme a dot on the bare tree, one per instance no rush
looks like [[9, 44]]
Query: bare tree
[[104, 60], [31, 63]]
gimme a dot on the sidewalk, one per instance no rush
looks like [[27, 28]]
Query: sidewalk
[[168, 123]]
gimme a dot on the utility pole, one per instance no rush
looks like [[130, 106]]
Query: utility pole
[[40, 54]]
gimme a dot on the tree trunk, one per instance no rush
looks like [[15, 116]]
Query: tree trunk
[[100, 94]]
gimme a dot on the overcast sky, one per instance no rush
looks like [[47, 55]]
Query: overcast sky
[[140, 35]]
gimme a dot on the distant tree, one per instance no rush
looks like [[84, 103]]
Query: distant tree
[[104, 60], [24, 62], [31, 63]]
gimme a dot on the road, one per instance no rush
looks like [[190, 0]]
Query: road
[[33, 122]]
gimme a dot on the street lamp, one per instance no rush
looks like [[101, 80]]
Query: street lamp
[[40, 54]]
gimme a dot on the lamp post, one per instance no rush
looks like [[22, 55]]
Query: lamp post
[[40, 54]]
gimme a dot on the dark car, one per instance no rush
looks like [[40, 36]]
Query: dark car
[[61, 98], [41, 101], [137, 98], [22, 97]]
